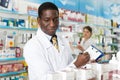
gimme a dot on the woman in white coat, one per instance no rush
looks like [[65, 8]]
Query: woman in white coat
[[40, 54], [86, 40]]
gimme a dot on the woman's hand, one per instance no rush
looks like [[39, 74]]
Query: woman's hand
[[80, 47]]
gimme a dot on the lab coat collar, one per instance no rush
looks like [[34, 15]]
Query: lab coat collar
[[43, 38]]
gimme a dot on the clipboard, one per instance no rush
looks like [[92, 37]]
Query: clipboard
[[94, 52]]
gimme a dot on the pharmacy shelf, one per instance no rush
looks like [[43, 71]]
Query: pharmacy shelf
[[17, 28], [85, 23], [116, 30], [11, 12], [11, 59], [109, 44], [113, 44], [16, 14], [100, 44], [11, 73]]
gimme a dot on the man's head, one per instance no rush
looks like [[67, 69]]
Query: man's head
[[48, 18]]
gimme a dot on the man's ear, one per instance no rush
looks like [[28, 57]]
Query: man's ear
[[38, 20]]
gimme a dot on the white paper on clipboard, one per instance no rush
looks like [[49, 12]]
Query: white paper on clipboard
[[95, 53]]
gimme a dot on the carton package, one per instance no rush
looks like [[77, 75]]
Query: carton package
[[54, 76], [67, 75], [84, 74]]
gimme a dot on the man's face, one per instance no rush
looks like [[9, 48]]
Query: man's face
[[49, 21]]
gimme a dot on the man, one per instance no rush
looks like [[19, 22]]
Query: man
[[41, 55]]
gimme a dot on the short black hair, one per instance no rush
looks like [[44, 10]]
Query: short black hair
[[46, 6], [88, 28]]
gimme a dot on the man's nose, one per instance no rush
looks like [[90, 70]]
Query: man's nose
[[52, 23]]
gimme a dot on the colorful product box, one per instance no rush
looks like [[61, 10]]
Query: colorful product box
[[10, 41], [21, 23], [32, 22], [10, 21]]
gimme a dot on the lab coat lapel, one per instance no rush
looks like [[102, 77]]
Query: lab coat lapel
[[61, 45], [43, 39]]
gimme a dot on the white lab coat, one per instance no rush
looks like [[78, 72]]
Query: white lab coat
[[43, 58], [118, 56], [87, 43]]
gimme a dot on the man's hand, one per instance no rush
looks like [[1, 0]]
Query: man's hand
[[82, 59]]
